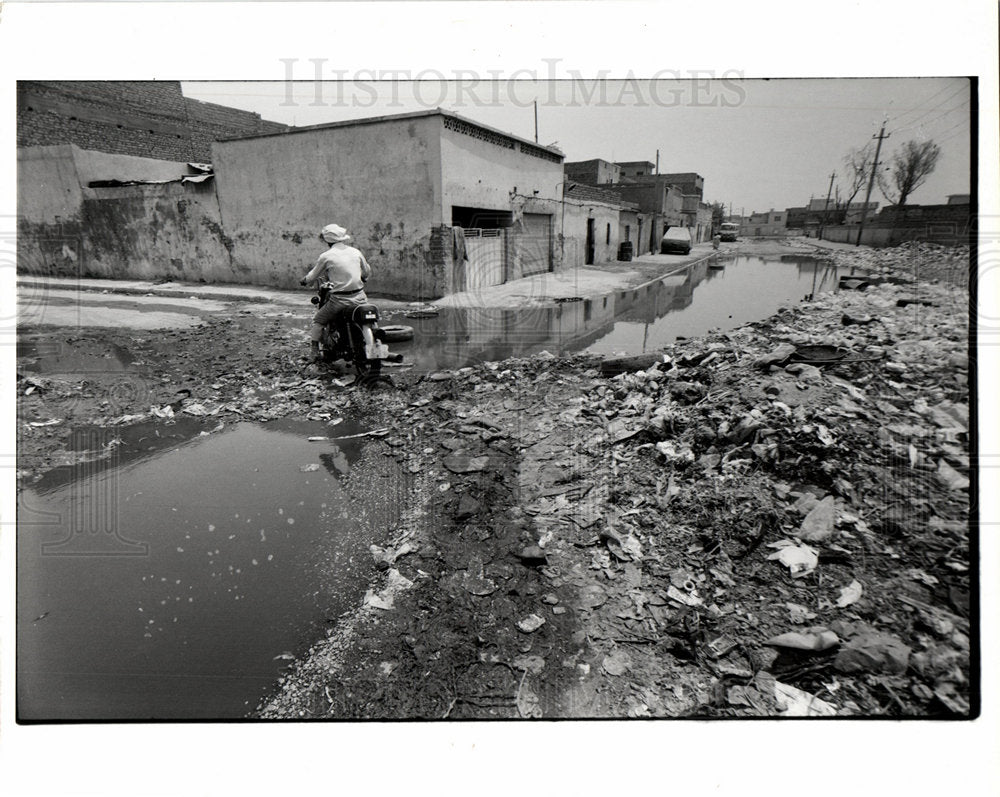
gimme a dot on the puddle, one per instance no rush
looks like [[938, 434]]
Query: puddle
[[723, 295], [47, 356], [164, 586]]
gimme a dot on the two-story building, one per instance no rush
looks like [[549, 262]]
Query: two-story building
[[767, 224]]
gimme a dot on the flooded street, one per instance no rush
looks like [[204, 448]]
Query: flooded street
[[179, 584], [508, 535], [719, 294], [176, 573]]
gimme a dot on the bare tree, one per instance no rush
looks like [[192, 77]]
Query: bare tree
[[911, 165], [859, 166], [718, 214]]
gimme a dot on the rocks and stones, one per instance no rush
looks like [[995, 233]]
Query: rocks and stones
[[459, 463], [873, 652], [617, 663], [531, 623], [818, 525], [467, 507], [775, 356]]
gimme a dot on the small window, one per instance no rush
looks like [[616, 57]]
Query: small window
[[607, 238]]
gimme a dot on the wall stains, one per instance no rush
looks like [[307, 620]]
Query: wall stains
[[216, 229]]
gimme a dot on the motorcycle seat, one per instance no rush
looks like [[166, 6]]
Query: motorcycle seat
[[364, 313]]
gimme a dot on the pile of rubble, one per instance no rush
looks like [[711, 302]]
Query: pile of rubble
[[913, 260]]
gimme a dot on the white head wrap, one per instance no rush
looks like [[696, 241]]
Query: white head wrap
[[334, 233]]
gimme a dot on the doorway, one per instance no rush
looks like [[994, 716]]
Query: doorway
[[590, 243]]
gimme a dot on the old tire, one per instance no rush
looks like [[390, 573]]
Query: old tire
[[394, 333]]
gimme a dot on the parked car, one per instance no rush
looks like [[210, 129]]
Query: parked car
[[676, 240], [728, 231]]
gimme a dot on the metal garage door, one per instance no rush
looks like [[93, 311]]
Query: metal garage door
[[534, 243], [486, 250]]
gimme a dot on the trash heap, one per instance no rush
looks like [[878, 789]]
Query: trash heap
[[772, 521], [913, 260]]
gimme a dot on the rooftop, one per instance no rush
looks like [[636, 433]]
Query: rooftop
[[595, 194], [372, 120]]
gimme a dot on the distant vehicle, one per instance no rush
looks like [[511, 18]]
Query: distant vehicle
[[676, 240], [728, 231]]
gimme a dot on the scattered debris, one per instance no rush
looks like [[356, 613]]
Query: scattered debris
[[531, 623], [801, 560], [873, 652], [793, 702], [850, 594]]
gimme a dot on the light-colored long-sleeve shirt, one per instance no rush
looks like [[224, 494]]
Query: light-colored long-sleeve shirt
[[343, 266]]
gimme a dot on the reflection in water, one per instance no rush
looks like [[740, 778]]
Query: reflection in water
[[248, 547], [688, 303]]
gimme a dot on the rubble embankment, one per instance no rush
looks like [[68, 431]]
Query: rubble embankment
[[772, 521]]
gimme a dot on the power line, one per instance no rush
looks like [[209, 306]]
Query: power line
[[916, 121], [961, 123], [933, 108], [921, 105], [953, 135], [942, 115]]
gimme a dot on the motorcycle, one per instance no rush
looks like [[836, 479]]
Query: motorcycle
[[354, 335]]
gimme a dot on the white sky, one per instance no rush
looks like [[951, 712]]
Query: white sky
[[759, 144]]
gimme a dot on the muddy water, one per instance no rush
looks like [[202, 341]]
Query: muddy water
[[725, 295], [51, 356], [166, 586]]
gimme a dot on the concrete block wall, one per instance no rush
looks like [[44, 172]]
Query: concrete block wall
[[145, 118]]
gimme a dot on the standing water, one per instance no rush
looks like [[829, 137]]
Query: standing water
[[723, 294], [177, 586]]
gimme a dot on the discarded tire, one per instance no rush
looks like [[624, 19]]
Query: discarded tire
[[393, 333]]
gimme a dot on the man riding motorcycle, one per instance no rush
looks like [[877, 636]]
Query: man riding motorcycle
[[344, 270]]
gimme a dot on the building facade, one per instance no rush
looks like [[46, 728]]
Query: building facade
[[768, 224], [593, 172], [607, 221], [437, 203]]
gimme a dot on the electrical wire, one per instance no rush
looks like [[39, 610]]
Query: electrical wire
[[920, 106], [917, 121]]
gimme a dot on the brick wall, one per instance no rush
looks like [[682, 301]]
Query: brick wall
[[152, 119]]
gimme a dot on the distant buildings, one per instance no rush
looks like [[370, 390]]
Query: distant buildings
[[819, 213], [665, 200], [767, 224]]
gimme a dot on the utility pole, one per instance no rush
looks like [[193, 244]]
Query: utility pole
[[826, 206], [536, 121], [871, 182], [657, 161]]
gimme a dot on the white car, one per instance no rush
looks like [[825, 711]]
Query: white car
[[676, 240]]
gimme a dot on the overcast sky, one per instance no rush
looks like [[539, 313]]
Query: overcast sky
[[759, 144]]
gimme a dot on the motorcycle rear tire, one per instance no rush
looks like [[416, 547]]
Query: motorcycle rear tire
[[367, 370]]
